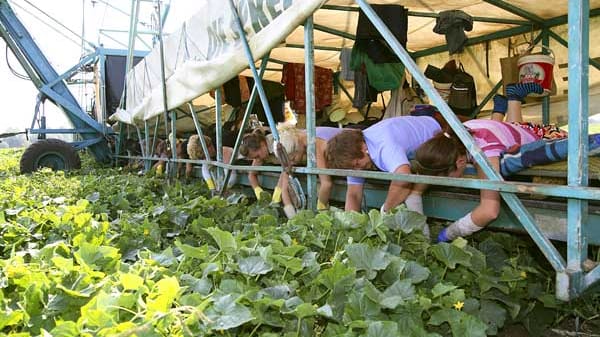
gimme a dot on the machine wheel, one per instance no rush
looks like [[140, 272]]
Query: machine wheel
[[53, 153]]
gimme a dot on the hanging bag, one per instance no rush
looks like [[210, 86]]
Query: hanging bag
[[538, 68], [463, 95], [509, 65]]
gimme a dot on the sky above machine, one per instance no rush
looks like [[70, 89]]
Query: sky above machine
[[100, 22]]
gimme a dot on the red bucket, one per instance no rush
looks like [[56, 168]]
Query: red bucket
[[537, 68]]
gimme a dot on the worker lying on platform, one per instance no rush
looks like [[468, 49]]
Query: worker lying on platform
[[196, 152], [382, 146], [509, 145]]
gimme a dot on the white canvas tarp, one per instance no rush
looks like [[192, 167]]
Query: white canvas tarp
[[206, 52]]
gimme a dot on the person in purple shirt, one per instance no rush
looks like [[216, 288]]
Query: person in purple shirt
[[382, 146]]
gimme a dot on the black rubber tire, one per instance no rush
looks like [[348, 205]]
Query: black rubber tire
[[53, 153]]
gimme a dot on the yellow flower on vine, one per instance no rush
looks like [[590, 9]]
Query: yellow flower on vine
[[523, 274], [459, 305]]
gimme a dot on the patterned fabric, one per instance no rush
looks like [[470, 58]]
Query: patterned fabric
[[293, 80], [549, 131], [495, 138], [540, 152]]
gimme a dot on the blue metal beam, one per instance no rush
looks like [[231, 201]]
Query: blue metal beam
[[475, 40], [249, 108], [453, 204], [433, 15], [257, 78], [309, 84], [334, 31], [301, 46], [578, 144], [562, 41], [58, 131]]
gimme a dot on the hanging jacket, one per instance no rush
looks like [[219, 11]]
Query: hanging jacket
[[453, 24]]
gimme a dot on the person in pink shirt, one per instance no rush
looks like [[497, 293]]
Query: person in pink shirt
[[445, 155]]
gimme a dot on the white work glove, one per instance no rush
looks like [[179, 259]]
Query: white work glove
[[289, 211], [382, 209], [208, 177], [414, 202]]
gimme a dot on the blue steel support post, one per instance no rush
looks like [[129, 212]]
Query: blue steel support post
[[309, 67], [154, 135], [102, 89], [146, 147], [163, 79], [257, 78], [553, 256], [173, 168], [570, 283], [139, 136], [546, 99], [219, 130], [249, 108]]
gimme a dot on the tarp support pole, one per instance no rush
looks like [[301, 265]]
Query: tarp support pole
[[162, 73], [146, 148], [257, 78], [309, 84], [155, 135], [219, 130], [199, 132], [249, 108], [433, 15], [120, 141], [553, 256], [546, 99], [562, 41], [570, 283], [173, 168], [332, 31]]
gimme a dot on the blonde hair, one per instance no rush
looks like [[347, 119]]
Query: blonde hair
[[194, 148], [289, 137]]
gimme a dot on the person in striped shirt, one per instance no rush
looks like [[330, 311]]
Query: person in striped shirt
[[445, 155]]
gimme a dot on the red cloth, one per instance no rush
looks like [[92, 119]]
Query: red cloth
[[293, 80]]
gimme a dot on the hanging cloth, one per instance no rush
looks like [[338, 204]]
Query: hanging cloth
[[293, 80], [453, 24], [347, 74], [395, 17]]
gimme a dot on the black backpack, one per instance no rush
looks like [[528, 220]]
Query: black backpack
[[463, 95]]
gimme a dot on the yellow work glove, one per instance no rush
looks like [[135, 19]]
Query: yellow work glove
[[257, 192], [321, 206], [276, 195], [210, 183]]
